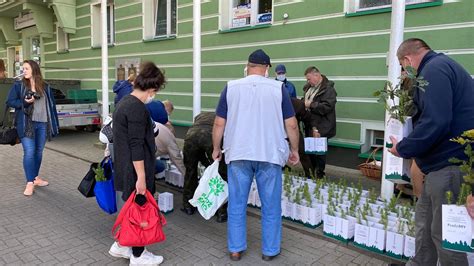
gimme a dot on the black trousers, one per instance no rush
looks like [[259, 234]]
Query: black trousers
[[318, 163], [304, 158]]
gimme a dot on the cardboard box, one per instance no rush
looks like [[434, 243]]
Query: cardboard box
[[165, 202], [377, 236], [317, 146], [361, 234], [397, 169], [329, 225], [409, 247], [345, 228], [395, 244]]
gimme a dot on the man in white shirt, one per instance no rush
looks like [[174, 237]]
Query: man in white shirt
[[255, 116]]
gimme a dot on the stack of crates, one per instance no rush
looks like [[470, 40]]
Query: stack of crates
[[82, 96]]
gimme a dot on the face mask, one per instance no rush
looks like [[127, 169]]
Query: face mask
[[281, 77], [245, 71], [149, 99], [266, 73]]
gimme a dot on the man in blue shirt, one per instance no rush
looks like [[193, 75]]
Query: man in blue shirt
[[257, 115], [445, 109], [280, 72]]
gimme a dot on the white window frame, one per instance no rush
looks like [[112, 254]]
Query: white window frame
[[96, 24], [150, 8], [353, 6], [226, 13], [62, 40]]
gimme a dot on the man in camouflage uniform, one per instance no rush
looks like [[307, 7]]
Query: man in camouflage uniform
[[198, 148]]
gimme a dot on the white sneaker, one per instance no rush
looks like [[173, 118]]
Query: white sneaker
[[147, 258], [120, 252]]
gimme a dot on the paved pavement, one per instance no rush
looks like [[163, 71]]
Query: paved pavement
[[58, 226]]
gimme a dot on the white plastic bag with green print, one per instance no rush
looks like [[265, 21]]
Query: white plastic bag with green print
[[211, 192]]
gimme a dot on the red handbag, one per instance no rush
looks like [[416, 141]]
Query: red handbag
[[139, 226]]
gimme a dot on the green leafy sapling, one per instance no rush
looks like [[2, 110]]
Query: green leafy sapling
[[352, 210], [465, 191], [392, 205], [343, 212], [99, 174], [449, 197], [298, 197], [331, 209], [411, 227], [466, 166], [306, 195], [402, 224], [372, 195], [404, 106], [384, 218]]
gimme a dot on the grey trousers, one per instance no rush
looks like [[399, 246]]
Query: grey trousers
[[428, 219]]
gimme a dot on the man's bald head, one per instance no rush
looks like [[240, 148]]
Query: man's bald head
[[413, 46], [411, 53]]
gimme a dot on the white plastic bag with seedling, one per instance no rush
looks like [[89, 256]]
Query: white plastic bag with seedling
[[211, 193]]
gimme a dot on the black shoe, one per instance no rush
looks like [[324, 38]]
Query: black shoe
[[188, 210], [221, 218], [235, 256], [269, 258]]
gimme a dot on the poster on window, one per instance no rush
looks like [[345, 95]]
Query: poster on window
[[18, 63], [241, 15], [125, 67]]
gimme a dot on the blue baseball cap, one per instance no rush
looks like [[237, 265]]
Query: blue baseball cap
[[259, 57], [280, 69]]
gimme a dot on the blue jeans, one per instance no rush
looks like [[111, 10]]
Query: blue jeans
[[268, 177], [33, 151], [159, 166]]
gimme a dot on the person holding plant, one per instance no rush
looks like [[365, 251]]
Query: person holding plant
[[256, 115], [445, 110], [134, 152], [36, 120]]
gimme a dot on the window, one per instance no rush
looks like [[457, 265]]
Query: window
[[159, 19], [245, 13], [62, 40], [96, 32], [364, 5]]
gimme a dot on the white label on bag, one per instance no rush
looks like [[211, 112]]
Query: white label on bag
[[316, 145], [456, 225]]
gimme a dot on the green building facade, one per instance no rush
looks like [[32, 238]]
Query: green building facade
[[347, 40]]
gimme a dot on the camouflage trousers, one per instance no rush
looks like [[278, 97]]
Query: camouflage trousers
[[198, 149]]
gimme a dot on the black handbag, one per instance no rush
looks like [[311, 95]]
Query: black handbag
[[107, 131], [8, 134], [86, 187]]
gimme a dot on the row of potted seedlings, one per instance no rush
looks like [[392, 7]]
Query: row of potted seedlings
[[347, 213]]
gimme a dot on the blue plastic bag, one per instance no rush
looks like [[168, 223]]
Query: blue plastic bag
[[105, 191]]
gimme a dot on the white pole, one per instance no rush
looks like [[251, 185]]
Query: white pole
[[196, 57], [105, 64], [394, 69]]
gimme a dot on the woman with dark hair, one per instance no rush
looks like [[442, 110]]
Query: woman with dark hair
[[134, 152], [36, 120]]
